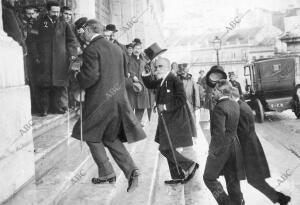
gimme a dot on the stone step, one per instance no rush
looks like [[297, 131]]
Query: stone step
[[50, 146], [166, 194], [63, 174], [41, 125], [84, 192]]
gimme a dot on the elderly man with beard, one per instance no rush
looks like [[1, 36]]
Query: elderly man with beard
[[256, 165], [224, 154], [108, 119], [174, 117]]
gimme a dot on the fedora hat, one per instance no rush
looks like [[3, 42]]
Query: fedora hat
[[137, 87], [214, 74], [153, 51]]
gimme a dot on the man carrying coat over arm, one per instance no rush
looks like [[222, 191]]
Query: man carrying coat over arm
[[256, 165], [108, 119], [174, 122]]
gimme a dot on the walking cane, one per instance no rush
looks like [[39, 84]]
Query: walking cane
[[80, 110], [68, 116], [169, 139]]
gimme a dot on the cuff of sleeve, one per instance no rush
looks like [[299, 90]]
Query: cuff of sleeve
[[165, 107]]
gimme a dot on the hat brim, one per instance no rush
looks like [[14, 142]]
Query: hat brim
[[157, 54]]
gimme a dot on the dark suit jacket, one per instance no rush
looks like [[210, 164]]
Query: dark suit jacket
[[178, 118], [106, 112], [224, 123], [256, 165]]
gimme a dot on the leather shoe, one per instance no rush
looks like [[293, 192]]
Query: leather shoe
[[104, 181], [43, 114], [191, 174], [283, 199], [173, 181], [133, 181]]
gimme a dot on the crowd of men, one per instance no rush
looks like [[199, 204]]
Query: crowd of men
[[51, 43], [120, 82]]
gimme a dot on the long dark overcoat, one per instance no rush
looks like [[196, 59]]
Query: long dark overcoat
[[256, 165], [135, 68], [56, 41], [177, 116], [106, 111], [224, 124]]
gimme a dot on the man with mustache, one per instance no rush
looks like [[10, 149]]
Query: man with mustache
[[56, 44]]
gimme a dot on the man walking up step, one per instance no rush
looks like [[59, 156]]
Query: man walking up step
[[256, 165], [108, 119], [175, 125]]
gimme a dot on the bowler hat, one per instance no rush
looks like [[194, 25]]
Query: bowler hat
[[137, 41], [130, 45], [214, 74], [137, 87], [111, 27], [153, 51]]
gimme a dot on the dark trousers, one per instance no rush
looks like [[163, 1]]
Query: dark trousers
[[183, 163], [53, 97], [139, 114], [223, 162], [119, 154], [265, 188]]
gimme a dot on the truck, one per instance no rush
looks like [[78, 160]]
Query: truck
[[271, 84]]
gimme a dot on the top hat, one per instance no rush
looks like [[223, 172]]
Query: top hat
[[214, 74], [111, 27], [153, 51]]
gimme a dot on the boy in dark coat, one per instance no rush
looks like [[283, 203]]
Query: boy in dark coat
[[256, 165], [108, 119], [171, 104], [224, 154]]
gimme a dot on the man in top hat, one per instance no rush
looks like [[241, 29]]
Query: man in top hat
[[224, 154], [174, 117], [108, 119], [234, 83], [256, 165]]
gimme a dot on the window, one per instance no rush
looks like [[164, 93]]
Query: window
[[276, 68]]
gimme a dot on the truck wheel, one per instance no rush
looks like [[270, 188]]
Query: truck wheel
[[259, 111]]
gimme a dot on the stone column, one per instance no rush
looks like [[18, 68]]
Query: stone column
[[16, 147], [84, 8]]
